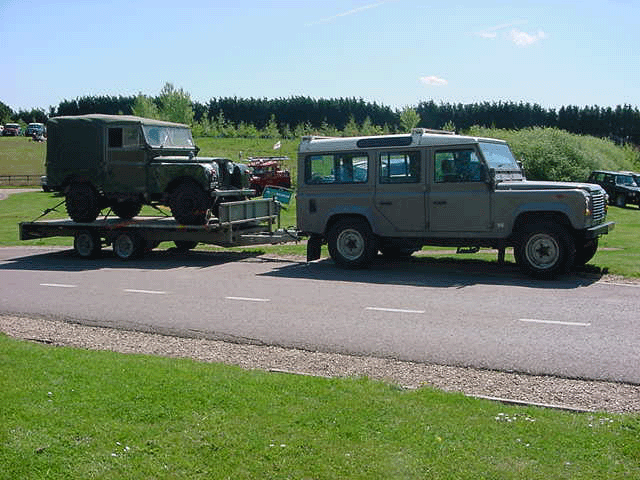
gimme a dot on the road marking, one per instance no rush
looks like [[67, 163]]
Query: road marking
[[248, 299], [554, 322], [57, 285], [150, 292], [394, 310]]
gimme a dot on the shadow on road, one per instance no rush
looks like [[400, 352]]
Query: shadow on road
[[68, 261], [414, 271], [433, 272]]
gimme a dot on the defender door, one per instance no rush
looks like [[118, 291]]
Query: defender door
[[460, 198], [126, 160], [400, 197]]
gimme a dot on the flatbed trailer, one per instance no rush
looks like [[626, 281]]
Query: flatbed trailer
[[247, 222]]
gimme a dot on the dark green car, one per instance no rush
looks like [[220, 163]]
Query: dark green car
[[124, 162]]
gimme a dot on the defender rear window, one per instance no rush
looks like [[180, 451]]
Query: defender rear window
[[123, 137], [336, 168], [398, 167]]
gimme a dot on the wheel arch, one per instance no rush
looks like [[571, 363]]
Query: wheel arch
[[528, 218], [336, 217], [184, 179]]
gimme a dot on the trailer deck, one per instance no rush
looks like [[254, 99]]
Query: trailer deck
[[247, 222]]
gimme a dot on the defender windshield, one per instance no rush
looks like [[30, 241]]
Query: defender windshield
[[168, 137], [499, 156]]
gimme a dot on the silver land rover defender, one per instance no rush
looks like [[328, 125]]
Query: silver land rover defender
[[398, 193]]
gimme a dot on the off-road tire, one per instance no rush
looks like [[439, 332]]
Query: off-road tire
[[544, 250], [351, 243], [585, 252], [82, 202], [185, 245], [189, 204], [126, 210]]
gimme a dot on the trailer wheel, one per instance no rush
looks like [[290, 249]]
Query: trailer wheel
[[87, 244], [127, 245], [126, 210], [83, 204], [351, 243], [185, 245], [189, 204]]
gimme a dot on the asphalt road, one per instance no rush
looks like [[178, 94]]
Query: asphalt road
[[474, 314]]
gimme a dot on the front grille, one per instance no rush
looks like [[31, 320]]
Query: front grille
[[599, 207]]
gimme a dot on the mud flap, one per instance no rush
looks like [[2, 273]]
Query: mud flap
[[314, 245]]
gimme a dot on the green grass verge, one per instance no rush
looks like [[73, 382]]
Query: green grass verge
[[21, 156], [69, 413], [619, 252]]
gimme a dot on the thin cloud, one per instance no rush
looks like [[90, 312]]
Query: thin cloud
[[432, 80], [347, 13], [492, 32], [524, 39]]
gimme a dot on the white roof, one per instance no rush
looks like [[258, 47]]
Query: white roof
[[417, 137]]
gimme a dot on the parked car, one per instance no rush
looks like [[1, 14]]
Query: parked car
[[268, 171], [397, 193], [34, 129], [11, 130], [620, 186], [44, 184]]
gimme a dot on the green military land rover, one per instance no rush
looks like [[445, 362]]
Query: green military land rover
[[124, 162]]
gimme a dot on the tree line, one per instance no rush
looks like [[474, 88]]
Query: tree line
[[293, 116]]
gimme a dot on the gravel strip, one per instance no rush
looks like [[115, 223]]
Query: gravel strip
[[543, 390]]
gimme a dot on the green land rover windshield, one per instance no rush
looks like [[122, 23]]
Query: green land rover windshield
[[168, 137], [499, 156]]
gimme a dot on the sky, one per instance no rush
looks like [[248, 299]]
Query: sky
[[397, 53]]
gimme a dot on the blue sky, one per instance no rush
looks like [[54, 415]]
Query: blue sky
[[394, 52]]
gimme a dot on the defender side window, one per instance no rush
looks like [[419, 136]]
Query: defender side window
[[457, 166], [398, 167], [336, 168], [123, 137]]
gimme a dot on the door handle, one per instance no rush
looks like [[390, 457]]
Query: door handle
[[440, 202], [384, 203]]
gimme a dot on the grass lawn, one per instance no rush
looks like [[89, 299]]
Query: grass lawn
[[69, 413]]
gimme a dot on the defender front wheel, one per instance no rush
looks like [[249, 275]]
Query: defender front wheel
[[189, 204], [545, 250], [351, 243]]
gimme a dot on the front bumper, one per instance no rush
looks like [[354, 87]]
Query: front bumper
[[602, 229]]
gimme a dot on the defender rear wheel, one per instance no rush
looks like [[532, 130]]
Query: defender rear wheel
[[185, 245], [83, 203], [351, 243], [126, 210]]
